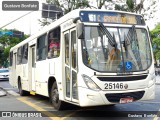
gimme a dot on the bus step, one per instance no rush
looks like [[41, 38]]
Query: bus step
[[32, 93]]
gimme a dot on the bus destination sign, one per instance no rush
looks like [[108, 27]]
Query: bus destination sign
[[111, 17]]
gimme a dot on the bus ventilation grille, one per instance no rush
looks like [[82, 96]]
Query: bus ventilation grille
[[117, 96], [123, 78]]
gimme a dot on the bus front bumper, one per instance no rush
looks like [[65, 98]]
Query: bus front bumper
[[89, 97]]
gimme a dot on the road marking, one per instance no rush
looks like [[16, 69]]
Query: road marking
[[158, 113], [69, 115], [49, 114], [49, 108]]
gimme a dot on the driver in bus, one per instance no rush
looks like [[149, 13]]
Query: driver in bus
[[114, 59]]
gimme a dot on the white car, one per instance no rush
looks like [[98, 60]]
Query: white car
[[4, 74]]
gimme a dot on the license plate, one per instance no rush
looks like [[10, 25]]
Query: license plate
[[126, 100]]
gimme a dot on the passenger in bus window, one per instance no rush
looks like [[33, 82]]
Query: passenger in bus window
[[53, 48]]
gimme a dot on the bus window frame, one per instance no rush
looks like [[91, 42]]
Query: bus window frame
[[48, 40], [41, 48]]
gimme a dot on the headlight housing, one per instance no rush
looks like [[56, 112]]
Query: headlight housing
[[152, 80], [90, 84]]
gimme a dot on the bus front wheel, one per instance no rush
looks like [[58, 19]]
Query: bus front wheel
[[57, 104]]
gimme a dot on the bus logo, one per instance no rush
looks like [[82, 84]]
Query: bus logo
[[126, 86]]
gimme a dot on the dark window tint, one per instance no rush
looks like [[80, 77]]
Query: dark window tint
[[11, 58], [41, 48], [19, 56], [66, 39], [74, 49], [25, 54]]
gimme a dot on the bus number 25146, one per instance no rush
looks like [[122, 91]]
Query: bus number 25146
[[114, 86]]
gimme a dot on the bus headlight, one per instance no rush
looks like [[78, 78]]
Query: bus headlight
[[90, 84]]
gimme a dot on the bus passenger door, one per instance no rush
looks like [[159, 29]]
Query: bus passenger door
[[33, 68], [71, 89]]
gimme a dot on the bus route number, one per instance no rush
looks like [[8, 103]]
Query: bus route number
[[114, 86]]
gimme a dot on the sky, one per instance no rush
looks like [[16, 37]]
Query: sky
[[29, 24]]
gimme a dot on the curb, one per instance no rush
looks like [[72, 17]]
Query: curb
[[2, 92]]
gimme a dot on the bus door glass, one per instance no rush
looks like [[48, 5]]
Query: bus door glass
[[15, 59], [14, 68], [33, 68], [71, 65]]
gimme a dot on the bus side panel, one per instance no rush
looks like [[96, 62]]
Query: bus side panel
[[41, 77], [24, 77], [44, 70]]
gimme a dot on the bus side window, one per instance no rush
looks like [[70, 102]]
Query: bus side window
[[11, 58], [25, 54], [54, 43], [74, 49], [41, 47], [66, 39], [19, 56]]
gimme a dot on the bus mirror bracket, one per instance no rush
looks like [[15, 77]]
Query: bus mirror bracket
[[80, 30]]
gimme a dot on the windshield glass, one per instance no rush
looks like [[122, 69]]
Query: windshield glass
[[111, 49], [4, 71]]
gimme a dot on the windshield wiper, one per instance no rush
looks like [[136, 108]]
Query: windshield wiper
[[111, 39], [134, 36], [136, 49]]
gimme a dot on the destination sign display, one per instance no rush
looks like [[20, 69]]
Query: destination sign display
[[111, 17]]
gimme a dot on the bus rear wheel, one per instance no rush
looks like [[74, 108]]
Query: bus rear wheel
[[21, 91], [57, 104]]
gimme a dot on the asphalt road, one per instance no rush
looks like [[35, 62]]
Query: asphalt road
[[146, 110]]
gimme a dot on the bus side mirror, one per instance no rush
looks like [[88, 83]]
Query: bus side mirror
[[80, 31]]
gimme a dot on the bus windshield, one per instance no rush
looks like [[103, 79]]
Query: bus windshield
[[116, 49]]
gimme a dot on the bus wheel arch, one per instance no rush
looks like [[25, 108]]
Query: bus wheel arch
[[54, 95], [51, 80], [21, 91]]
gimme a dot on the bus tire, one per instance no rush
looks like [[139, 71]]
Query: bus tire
[[21, 91], [57, 104]]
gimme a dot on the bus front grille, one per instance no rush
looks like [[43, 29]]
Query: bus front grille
[[123, 78], [115, 97]]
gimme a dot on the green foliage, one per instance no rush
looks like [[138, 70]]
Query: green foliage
[[6, 42], [43, 22], [101, 3], [155, 35], [121, 8], [130, 6]]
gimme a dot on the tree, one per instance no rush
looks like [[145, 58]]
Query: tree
[[66, 6], [131, 6], [100, 3], [44, 22], [155, 34], [6, 42], [69, 5]]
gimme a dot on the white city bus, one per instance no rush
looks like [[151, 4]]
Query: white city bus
[[87, 58]]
